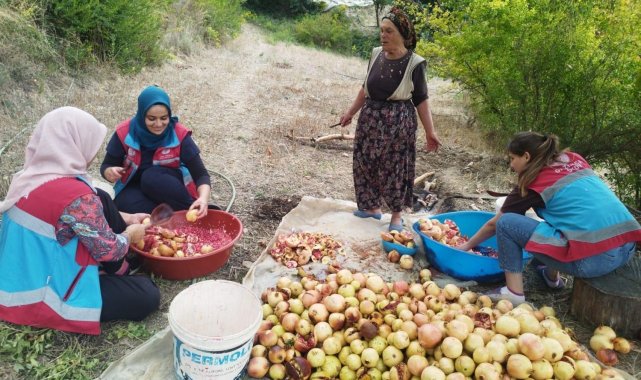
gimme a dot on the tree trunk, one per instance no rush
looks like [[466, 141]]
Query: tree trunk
[[613, 300]]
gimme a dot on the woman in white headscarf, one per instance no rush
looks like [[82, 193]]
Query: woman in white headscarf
[[62, 242]]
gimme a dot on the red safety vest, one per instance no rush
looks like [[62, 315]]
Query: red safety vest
[[43, 283], [163, 156]]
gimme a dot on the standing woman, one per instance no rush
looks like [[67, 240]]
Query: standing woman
[[62, 243], [152, 159], [385, 141], [586, 231]]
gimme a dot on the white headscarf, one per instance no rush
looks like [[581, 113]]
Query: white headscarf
[[62, 145]]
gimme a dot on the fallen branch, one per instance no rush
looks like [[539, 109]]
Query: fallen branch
[[422, 177], [469, 196], [313, 141], [336, 136]]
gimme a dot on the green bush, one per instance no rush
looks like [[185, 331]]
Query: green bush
[[332, 30], [363, 43], [127, 32], [223, 18], [328, 30], [284, 8], [569, 68]]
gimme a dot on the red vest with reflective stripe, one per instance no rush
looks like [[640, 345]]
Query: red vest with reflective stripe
[[43, 283], [163, 156], [582, 216]]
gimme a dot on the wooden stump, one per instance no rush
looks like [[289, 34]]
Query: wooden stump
[[613, 300]]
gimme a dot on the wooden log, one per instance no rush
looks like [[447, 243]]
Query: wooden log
[[336, 136], [613, 300], [422, 177]]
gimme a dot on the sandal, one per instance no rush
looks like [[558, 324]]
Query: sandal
[[396, 227], [559, 283], [365, 214]]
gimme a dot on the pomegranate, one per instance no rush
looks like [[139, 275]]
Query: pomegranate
[[429, 335], [298, 368], [607, 357], [337, 321], [531, 346], [318, 313], [599, 341], [267, 338], [393, 256], [605, 330], [322, 331], [452, 347], [369, 357], [519, 366], [276, 354], [621, 345], [258, 367], [406, 262], [335, 303], [304, 343], [368, 330], [416, 364], [310, 297], [277, 372], [375, 283]]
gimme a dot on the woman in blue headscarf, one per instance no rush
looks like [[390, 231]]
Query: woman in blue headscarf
[[152, 159]]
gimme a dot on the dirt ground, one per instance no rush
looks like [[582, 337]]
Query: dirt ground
[[247, 104]]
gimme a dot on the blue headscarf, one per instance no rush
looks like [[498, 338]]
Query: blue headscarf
[[149, 97]]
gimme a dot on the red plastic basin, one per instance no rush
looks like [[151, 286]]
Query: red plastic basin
[[185, 268]]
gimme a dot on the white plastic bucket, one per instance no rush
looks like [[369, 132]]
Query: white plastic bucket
[[213, 323]]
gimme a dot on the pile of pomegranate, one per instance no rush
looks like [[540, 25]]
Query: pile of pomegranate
[[299, 248], [404, 238], [182, 242], [446, 233], [358, 326], [449, 234]]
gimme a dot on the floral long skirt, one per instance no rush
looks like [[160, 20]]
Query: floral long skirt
[[385, 154]]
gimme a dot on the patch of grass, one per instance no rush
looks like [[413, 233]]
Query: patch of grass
[[131, 330], [38, 354], [23, 346], [193, 23], [75, 362], [26, 54], [222, 18]]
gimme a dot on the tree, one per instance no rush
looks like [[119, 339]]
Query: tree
[[569, 68], [379, 6]]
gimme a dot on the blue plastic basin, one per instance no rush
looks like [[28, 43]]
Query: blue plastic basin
[[400, 248], [460, 264]]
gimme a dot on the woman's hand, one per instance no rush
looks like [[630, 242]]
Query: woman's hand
[[432, 143], [202, 205], [346, 119], [134, 218], [464, 247], [114, 173], [136, 232]]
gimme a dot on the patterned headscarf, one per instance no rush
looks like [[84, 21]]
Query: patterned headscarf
[[404, 25]]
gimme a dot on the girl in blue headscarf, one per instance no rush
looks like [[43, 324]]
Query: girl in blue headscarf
[[152, 159]]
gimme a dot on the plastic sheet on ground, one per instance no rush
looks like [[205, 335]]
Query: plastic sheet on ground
[[361, 241]]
